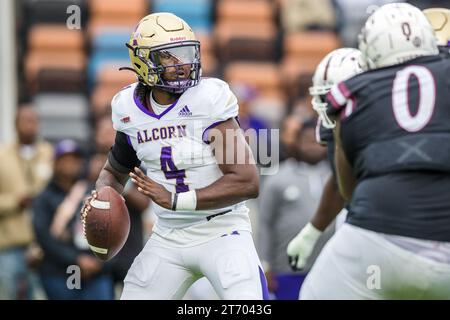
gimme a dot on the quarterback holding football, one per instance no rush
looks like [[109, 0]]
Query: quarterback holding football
[[171, 139]]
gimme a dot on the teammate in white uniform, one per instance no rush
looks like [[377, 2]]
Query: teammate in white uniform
[[174, 124]]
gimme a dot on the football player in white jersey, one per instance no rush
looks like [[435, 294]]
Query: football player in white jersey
[[175, 124], [336, 66]]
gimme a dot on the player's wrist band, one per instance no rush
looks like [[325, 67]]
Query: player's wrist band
[[184, 201], [174, 201]]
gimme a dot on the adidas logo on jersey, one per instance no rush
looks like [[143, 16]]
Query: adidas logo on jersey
[[185, 112]]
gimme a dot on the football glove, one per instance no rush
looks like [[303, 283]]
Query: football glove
[[301, 247]]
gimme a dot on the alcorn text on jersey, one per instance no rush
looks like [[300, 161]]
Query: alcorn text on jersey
[[173, 144]]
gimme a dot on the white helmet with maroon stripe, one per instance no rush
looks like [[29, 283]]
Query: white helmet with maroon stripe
[[339, 65], [396, 33]]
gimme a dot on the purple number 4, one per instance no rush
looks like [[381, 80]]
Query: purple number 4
[[171, 171]]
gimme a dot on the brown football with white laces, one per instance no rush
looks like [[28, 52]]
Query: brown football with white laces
[[107, 224]]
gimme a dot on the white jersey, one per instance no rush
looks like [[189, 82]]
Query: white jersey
[[173, 147]]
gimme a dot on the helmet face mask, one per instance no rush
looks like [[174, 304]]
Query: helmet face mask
[[173, 67], [339, 65], [165, 54], [320, 104]]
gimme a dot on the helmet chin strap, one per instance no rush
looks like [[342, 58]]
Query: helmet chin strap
[[129, 69]]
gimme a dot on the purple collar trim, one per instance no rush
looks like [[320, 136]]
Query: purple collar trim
[[144, 109]]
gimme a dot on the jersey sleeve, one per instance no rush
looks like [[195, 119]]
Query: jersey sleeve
[[122, 156], [337, 98], [117, 112], [224, 106]]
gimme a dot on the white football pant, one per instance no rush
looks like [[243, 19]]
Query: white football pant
[[361, 264], [230, 263]]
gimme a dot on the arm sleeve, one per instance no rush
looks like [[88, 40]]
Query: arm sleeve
[[55, 250], [122, 156]]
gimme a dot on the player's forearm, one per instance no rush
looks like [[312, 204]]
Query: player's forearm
[[230, 189], [331, 203], [344, 172], [108, 178], [136, 199], [345, 179]]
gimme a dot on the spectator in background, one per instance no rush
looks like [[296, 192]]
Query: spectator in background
[[25, 167], [257, 113], [245, 95], [104, 135], [352, 16], [299, 15], [287, 202], [301, 109], [58, 231]]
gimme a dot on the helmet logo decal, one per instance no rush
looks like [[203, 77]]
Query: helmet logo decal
[[417, 42], [177, 38], [406, 29]]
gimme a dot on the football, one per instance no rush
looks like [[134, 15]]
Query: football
[[107, 224]]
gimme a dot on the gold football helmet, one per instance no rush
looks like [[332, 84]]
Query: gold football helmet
[[164, 44], [440, 21]]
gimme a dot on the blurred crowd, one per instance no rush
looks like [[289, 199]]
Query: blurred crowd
[[41, 236], [266, 49]]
